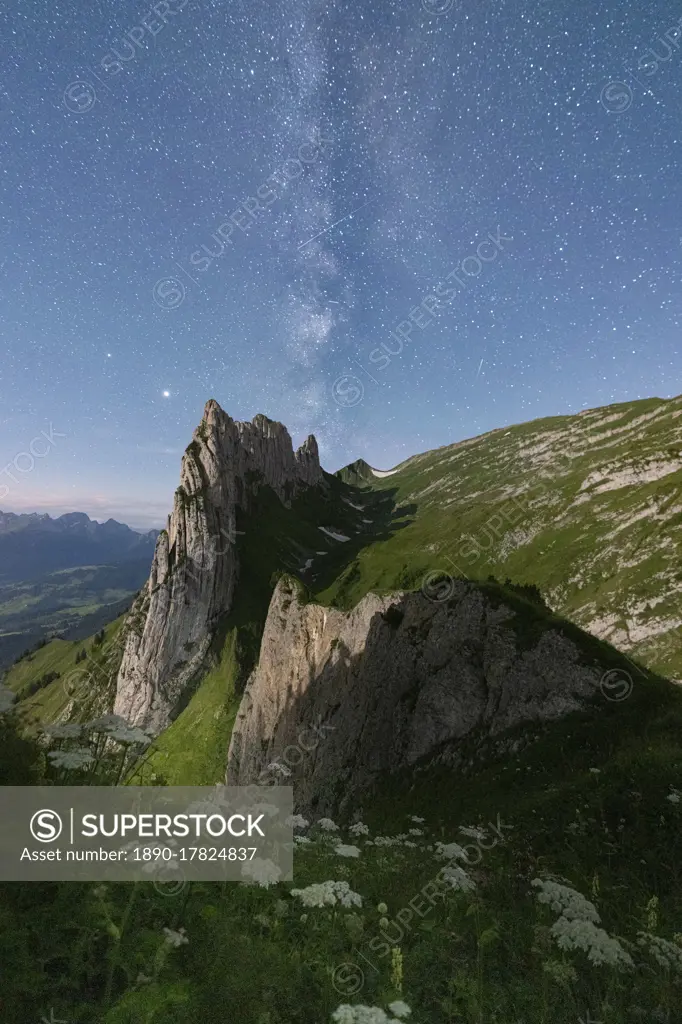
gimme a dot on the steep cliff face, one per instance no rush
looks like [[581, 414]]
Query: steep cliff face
[[195, 566], [338, 699]]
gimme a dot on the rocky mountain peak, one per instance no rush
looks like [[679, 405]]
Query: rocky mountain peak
[[195, 566]]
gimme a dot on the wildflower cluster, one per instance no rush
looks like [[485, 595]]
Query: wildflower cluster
[[95, 739], [347, 1014], [71, 760], [296, 821], [63, 731], [666, 954], [263, 873], [328, 894], [565, 901], [576, 927], [175, 938], [344, 850], [450, 851], [457, 878], [398, 840]]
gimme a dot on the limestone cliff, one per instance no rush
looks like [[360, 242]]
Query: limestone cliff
[[338, 699], [195, 565]]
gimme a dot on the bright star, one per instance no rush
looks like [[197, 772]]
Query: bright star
[[166, 394]]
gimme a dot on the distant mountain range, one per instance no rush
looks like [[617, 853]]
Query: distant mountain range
[[33, 544], [65, 575]]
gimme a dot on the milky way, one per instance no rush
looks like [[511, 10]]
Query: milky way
[[395, 225]]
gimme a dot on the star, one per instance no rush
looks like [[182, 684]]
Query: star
[[166, 394]]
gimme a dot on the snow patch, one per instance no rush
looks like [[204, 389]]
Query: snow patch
[[334, 536]]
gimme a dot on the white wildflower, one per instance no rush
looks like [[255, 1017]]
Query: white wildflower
[[261, 872], [70, 759], [457, 878], [674, 795], [328, 894], [416, 832], [301, 840], [63, 731], [579, 933], [129, 734], [665, 953], [105, 723], [595, 771], [571, 904], [328, 825], [175, 939], [358, 829], [474, 833], [399, 1008], [347, 1014], [420, 821], [450, 851], [296, 821], [347, 851], [413, 846]]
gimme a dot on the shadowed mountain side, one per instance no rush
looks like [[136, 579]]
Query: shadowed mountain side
[[371, 518], [339, 700]]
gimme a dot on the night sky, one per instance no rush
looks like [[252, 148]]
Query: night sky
[[245, 201]]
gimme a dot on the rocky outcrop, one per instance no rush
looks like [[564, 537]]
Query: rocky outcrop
[[195, 564], [338, 699]]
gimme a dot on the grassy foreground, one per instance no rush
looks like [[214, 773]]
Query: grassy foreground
[[459, 934]]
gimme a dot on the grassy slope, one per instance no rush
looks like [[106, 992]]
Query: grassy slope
[[88, 684], [192, 751], [591, 558]]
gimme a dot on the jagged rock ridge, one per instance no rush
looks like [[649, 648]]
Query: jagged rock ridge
[[338, 699], [195, 565]]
